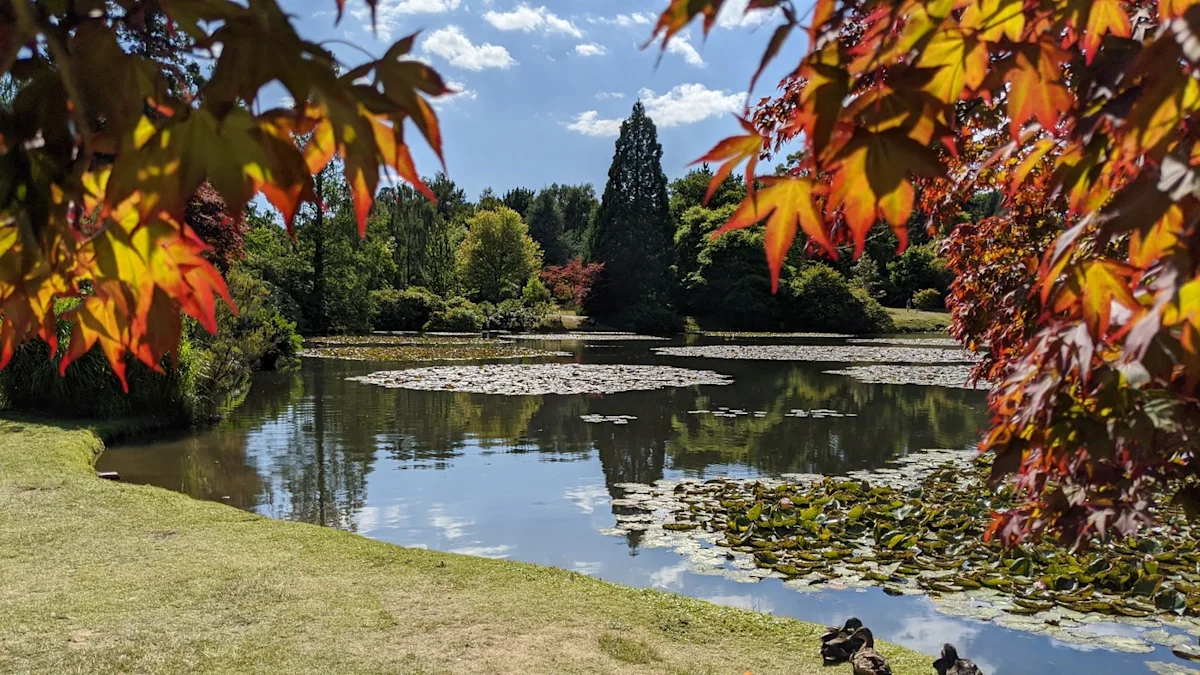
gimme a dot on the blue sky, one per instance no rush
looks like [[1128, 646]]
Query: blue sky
[[545, 84]]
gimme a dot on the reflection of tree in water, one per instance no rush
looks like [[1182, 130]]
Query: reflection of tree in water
[[890, 421]]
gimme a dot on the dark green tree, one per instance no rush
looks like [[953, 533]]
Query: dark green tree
[[421, 240], [488, 201], [519, 200], [689, 191], [633, 233], [546, 227], [452, 201]]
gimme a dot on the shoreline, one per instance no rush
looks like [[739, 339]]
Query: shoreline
[[103, 576]]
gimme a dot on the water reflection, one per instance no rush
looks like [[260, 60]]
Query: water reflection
[[525, 478]]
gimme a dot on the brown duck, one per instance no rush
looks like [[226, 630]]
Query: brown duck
[[950, 664], [839, 648], [831, 632], [867, 661]]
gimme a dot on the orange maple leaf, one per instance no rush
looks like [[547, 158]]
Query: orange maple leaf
[[784, 203], [1036, 89], [1104, 17], [735, 150]]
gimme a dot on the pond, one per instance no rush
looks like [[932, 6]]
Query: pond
[[531, 477]]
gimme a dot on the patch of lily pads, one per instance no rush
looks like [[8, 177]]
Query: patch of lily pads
[[402, 340], [601, 419], [546, 378], [917, 527], [750, 334], [824, 353], [907, 342], [588, 336], [443, 351], [732, 413], [958, 377]]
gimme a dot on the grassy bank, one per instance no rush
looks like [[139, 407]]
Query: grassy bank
[[98, 576], [919, 321]]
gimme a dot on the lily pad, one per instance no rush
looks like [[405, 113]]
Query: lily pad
[[957, 377], [825, 353], [534, 379]]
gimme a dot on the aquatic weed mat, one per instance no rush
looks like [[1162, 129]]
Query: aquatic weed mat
[[916, 527], [588, 336], [825, 353], [907, 342], [955, 377], [440, 351], [549, 378]]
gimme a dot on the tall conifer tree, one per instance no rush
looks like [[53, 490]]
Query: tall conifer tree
[[546, 227], [633, 232]]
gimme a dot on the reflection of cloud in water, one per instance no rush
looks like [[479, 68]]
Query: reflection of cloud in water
[[451, 527], [502, 551], [751, 602], [589, 568], [927, 633], [669, 577], [372, 518], [587, 497]]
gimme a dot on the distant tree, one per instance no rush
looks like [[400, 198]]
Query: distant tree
[[207, 215], [421, 240], [633, 233], [918, 268], [690, 190], [571, 283], [488, 201], [546, 227], [865, 275], [498, 256], [452, 201], [519, 200]]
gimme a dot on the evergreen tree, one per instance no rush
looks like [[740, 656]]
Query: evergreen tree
[[488, 201], [633, 234], [689, 191], [546, 227], [865, 275], [452, 202], [519, 200]]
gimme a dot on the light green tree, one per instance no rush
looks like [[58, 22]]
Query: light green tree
[[498, 256]]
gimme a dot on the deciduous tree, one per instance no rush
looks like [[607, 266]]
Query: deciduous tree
[[1084, 115], [497, 257]]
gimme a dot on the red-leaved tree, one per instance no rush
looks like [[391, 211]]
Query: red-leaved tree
[[571, 283]]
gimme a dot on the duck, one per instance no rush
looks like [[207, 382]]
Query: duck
[[839, 648], [831, 632], [867, 661], [951, 664]]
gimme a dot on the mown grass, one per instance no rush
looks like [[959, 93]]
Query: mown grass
[[101, 577], [919, 321]]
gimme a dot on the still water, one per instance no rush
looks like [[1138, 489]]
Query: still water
[[524, 478]]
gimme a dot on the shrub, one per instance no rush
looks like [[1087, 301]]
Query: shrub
[[820, 299], [409, 309], [90, 389], [458, 316], [930, 299], [535, 292], [511, 315], [649, 319]]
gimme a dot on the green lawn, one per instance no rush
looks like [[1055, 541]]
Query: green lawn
[[97, 576], [919, 321]]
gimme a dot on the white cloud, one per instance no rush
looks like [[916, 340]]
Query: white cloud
[[683, 104], [669, 577], [501, 551], [461, 93], [451, 44], [682, 45], [528, 19], [624, 20], [590, 49], [589, 124], [587, 497], [733, 15], [389, 13], [589, 568], [606, 95], [450, 526]]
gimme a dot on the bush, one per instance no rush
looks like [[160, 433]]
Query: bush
[[90, 389], [929, 299], [820, 299], [511, 315], [409, 309], [458, 316], [535, 293], [649, 319]]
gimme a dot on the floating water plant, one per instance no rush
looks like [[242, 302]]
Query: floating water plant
[[550, 378], [907, 342], [918, 527], [429, 352], [957, 377], [587, 336], [600, 419], [816, 413], [749, 334], [827, 353]]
